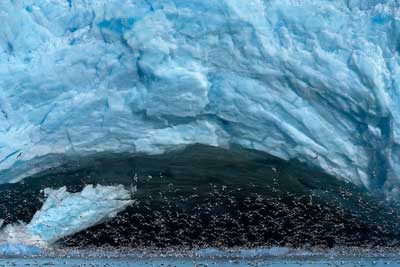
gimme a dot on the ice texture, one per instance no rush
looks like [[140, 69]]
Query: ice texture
[[313, 80], [64, 214], [18, 250]]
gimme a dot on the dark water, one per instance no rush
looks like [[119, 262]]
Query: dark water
[[210, 197]]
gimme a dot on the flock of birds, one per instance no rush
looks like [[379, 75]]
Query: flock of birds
[[190, 213]]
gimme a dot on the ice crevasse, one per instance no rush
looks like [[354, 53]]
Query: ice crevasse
[[313, 80]]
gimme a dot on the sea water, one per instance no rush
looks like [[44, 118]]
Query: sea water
[[366, 262]]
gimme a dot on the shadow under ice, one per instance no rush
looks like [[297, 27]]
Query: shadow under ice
[[204, 196]]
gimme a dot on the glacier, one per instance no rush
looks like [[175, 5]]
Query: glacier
[[64, 214], [312, 80]]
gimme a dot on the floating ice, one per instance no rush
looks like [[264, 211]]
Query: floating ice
[[19, 250], [14, 236], [315, 80], [64, 214]]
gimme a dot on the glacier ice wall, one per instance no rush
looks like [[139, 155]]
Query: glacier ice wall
[[315, 80]]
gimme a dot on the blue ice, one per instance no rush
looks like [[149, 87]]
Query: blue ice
[[314, 80]]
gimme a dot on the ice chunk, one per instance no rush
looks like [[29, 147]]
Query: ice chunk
[[64, 214], [13, 236], [19, 250]]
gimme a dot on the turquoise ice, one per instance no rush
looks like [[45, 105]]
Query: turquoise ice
[[64, 214], [315, 80], [19, 250]]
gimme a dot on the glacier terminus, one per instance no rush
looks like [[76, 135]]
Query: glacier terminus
[[312, 80]]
